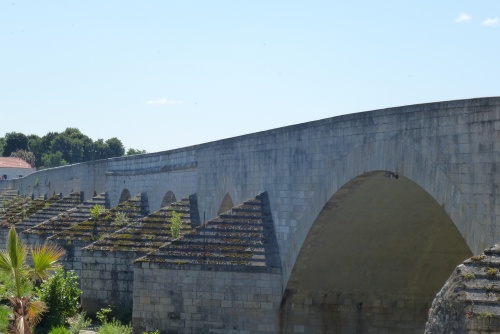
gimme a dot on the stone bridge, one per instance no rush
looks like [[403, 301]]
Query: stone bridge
[[371, 212]]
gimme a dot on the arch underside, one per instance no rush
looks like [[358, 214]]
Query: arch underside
[[373, 261]]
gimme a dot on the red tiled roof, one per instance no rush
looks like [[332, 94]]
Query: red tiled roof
[[8, 162]]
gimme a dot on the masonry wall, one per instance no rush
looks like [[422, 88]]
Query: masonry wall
[[107, 279], [89, 177], [338, 313], [33, 239], [72, 259], [15, 173], [155, 174], [451, 149], [4, 232], [189, 299]]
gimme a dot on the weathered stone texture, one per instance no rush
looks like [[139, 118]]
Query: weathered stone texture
[[189, 300], [107, 279], [450, 149]]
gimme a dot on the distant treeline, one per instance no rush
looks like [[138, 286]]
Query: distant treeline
[[58, 149]]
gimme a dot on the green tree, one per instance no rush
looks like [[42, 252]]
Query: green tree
[[99, 150], [2, 144], [70, 148], [13, 262], [53, 160], [114, 148], [133, 151], [14, 141], [34, 143]]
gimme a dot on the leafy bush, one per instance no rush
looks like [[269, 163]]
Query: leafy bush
[[80, 322], [103, 315], [111, 327], [62, 295], [114, 327], [5, 314], [59, 330]]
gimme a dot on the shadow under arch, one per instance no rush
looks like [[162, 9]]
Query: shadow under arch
[[403, 157], [373, 260], [226, 205], [168, 199], [125, 196]]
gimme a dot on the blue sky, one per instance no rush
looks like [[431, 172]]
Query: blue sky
[[166, 74]]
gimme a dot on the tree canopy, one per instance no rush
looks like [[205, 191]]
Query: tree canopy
[[14, 141], [58, 149]]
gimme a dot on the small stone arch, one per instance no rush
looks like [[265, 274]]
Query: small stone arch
[[226, 205], [168, 199], [125, 196]]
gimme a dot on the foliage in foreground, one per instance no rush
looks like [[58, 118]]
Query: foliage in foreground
[[59, 330], [5, 314], [111, 327], [20, 279], [114, 327], [62, 296]]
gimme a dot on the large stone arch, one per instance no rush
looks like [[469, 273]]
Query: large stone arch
[[397, 158], [376, 255]]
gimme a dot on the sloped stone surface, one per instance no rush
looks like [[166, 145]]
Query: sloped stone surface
[[108, 222], [65, 219], [6, 196], [20, 208], [241, 239], [151, 232], [52, 210], [469, 302]]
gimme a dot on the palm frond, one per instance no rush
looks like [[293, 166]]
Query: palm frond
[[35, 311], [5, 263], [16, 249], [45, 259]]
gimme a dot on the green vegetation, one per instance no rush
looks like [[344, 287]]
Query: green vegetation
[[5, 314], [175, 227], [79, 322], [111, 327], [14, 141], [132, 151], [468, 276], [492, 272], [61, 295], [114, 327], [59, 330], [20, 279], [487, 314], [58, 149], [121, 219], [96, 211]]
